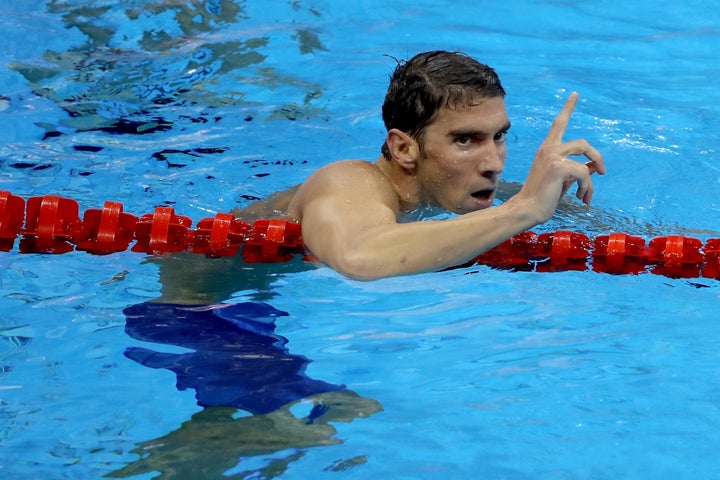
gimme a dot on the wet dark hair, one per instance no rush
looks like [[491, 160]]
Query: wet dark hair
[[430, 81]]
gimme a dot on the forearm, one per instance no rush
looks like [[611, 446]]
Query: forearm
[[399, 249]]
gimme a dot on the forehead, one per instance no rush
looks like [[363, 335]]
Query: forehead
[[484, 115]]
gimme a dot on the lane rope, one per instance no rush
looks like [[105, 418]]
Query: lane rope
[[51, 224]]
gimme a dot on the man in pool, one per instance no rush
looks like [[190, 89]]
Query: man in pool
[[445, 146]]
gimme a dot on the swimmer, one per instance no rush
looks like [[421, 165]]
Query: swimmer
[[445, 147]]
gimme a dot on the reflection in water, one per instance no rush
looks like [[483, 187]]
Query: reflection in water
[[189, 278], [236, 362], [214, 441], [146, 67]]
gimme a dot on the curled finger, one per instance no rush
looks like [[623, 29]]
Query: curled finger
[[581, 147], [580, 173], [585, 186], [585, 191]]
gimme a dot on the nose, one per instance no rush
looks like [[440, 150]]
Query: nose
[[493, 161]]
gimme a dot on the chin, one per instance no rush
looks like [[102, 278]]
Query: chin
[[470, 205], [464, 210], [478, 205]]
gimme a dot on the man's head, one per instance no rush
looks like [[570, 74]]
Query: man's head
[[425, 84]]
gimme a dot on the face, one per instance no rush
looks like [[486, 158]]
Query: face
[[462, 156]]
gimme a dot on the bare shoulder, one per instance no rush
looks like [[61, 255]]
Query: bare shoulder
[[346, 180], [347, 168], [357, 181]]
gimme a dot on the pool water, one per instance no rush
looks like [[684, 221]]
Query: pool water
[[298, 372]]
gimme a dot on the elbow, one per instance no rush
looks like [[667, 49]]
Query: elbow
[[359, 272], [356, 262], [360, 277], [359, 267]]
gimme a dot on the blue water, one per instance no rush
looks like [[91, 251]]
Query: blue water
[[469, 373]]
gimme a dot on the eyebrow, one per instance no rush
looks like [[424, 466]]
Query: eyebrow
[[473, 132]]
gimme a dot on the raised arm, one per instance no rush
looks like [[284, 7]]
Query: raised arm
[[553, 173]]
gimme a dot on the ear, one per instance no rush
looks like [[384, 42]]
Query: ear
[[404, 150]]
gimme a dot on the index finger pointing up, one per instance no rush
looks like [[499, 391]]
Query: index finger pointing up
[[557, 130]]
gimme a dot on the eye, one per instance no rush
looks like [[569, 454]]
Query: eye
[[463, 139], [500, 136]]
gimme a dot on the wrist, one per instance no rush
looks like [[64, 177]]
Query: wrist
[[521, 213]]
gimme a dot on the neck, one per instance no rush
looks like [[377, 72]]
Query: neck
[[404, 182]]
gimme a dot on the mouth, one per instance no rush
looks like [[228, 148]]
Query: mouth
[[485, 194], [484, 198]]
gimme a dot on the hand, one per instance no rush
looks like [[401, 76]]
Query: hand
[[553, 173]]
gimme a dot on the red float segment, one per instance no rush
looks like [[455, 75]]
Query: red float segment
[[108, 230], [678, 256], [676, 249], [620, 253], [220, 236], [162, 232], [273, 241], [564, 251], [561, 250], [12, 216], [51, 223]]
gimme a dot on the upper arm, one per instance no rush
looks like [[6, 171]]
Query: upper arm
[[341, 204]]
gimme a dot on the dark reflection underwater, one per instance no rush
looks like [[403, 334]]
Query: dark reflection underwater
[[249, 384]]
